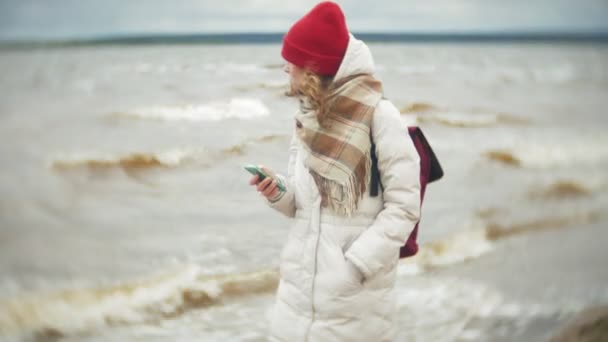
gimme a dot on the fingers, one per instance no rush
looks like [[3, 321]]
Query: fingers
[[274, 193], [267, 187], [270, 189], [263, 184]]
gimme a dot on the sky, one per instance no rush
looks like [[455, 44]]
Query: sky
[[68, 19]]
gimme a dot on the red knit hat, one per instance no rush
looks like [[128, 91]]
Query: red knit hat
[[318, 40]]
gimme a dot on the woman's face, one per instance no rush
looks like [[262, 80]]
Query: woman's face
[[295, 75]]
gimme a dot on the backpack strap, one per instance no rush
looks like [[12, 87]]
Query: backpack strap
[[375, 174]]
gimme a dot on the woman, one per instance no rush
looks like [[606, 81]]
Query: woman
[[338, 267]]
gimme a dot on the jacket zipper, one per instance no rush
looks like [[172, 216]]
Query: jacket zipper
[[314, 272]]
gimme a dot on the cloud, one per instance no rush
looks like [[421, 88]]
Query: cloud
[[83, 18]]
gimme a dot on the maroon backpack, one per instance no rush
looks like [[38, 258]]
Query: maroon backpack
[[430, 171]]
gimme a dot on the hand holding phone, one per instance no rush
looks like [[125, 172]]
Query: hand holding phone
[[267, 183], [264, 173]]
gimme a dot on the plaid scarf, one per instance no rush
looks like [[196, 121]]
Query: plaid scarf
[[339, 155]]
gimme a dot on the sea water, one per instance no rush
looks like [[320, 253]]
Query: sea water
[[126, 213]]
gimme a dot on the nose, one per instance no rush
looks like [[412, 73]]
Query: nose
[[286, 68]]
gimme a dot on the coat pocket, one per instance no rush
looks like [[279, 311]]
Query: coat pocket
[[355, 275], [385, 278], [343, 278]]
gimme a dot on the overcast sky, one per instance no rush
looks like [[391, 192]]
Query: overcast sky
[[24, 19]]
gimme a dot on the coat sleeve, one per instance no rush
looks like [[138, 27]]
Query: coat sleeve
[[399, 165], [285, 201]]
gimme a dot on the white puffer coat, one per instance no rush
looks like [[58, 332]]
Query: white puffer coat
[[320, 295]]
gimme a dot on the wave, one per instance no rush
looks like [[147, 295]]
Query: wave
[[82, 311], [468, 120], [504, 157], [150, 160], [456, 248], [236, 108], [496, 230], [274, 66], [489, 213], [429, 113], [417, 107], [583, 151], [563, 189], [129, 160], [478, 240]]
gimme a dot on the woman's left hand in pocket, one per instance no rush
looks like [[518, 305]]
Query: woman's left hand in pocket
[[354, 272]]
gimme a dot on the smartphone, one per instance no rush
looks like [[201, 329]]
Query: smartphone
[[263, 173]]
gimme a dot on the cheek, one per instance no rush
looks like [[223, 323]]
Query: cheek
[[295, 76], [292, 74], [294, 80]]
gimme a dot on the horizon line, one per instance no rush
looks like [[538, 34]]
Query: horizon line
[[276, 37]]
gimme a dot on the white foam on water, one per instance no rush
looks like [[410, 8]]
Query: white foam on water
[[454, 118], [470, 243], [84, 311], [423, 112], [235, 108], [568, 153], [90, 310], [167, 158], [172, 157], [432, 309], [445, 309], [585, 150], [461, 119]]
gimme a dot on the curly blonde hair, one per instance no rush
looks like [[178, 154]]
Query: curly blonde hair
[[314, 94]]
